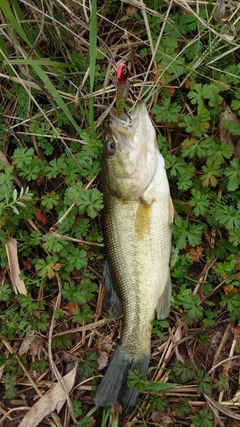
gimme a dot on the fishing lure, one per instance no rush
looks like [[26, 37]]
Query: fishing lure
[[123, 74]]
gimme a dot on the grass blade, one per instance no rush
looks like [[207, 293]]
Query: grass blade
[[93, 56], [45, 62], [13, 21]]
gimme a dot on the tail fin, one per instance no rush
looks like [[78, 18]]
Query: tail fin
[[114, 385]]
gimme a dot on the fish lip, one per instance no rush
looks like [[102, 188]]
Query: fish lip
[[125, 118], [123, 127]]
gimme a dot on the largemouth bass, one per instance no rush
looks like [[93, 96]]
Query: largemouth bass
[[137, 212]]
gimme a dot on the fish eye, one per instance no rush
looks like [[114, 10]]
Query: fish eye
[[111, 146]]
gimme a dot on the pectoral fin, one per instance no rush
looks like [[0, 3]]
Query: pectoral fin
[[143, 220], [170, 210], [164, 302]]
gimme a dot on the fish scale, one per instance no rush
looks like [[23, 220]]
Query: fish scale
[[136, 218]]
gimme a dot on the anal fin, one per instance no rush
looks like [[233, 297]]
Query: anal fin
[[112, 300], [164, 302]]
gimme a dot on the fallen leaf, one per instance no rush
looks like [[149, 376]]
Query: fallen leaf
[[227, 367], [160, 419], [12, 255], [102, 360], [105, 347], [53, 399], [225, 136], [25, 345], [229, 290], [131, 11], [41, 216], [28, 263], [106, 344], [72, 308], [236, 332], [196, 253]]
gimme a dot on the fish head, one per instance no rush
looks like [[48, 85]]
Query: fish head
[[130, 154]]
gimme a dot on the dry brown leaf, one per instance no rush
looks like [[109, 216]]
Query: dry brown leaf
[[225, 136], [105, 347], [102, 360], [12, 255], [53, 399], [26, 343], [161, 419]]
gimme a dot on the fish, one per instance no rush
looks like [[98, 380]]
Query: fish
[[137, 214]]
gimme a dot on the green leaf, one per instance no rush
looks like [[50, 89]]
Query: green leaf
[[184, 371], [219, 152], [196, 147], [50, 200], [77, 408], [80, 294], [52, 244], [15, 210], [203, 382], [211, 92], [211, 171], [5, 292], [47, 268], [73, 193], [194, 311], [234, 237], [195, 234], [14, 196], [23, 157], [76, 258], [229, 217], [90, 201], [222, 383], [168, 112], [176, 165], [184, 182], [39, 365], [232, 302], [231, 126], [10, 382], [200, 202], [233, 174], [203, 419], [21, 204], [62, 341], [195, 96], [185, 232], [183, 408], [88, 363]]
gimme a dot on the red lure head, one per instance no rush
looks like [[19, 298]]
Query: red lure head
[[122, 74]]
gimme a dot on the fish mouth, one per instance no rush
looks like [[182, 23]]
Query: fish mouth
[[126, 119], [125, 126]]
